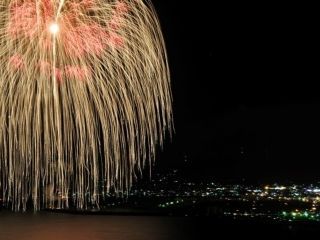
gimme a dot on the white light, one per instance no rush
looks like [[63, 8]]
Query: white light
[[54, 28]]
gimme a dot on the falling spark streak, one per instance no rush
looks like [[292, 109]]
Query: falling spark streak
[[85, 99]]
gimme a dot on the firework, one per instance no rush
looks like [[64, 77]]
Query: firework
[[84, 98]]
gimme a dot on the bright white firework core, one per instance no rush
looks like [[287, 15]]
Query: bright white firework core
[[54, 28]]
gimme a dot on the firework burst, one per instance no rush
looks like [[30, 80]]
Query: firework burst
[[84, 98]]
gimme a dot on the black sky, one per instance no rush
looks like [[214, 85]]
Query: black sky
[[245, 88]]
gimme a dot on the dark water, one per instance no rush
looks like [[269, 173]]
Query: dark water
[[42, 226], [52, 226]]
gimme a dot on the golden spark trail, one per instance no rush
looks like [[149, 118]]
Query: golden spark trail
[[85, 99]]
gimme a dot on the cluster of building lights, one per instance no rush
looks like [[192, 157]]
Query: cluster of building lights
[[290, 202]]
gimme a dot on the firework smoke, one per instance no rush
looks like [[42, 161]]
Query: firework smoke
[[84, 98]]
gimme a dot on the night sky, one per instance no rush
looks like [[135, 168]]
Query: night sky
[[245, 88]]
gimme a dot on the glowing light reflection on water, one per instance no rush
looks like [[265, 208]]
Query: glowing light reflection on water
[[47, 226]]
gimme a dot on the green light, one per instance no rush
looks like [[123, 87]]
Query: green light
[[306, 214]]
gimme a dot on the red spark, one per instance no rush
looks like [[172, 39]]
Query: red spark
[[76, 72], [78, 38], [16, 62]]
